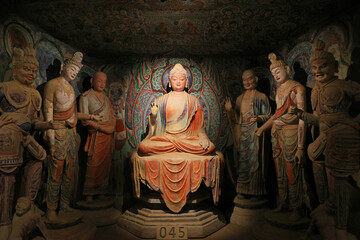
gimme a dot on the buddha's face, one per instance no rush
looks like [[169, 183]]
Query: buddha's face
[[99, 82], [178, 81], [280, 74], [323, 70], [249, 80], [70, 71], [22, 206], [25, 73]]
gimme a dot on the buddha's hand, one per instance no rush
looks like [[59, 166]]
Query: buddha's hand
[[96, 118], [228, 104], [300, 156], [204, 143], [259, 131], [154, 109], [56, 125]]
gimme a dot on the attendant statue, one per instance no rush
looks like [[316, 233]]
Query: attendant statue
[[100, 141], [287, 136], [251, 110], [177, 154], [339, 137], [60, 105], [20, 106]]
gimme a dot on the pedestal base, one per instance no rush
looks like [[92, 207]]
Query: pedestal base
[[64, 219], [248, 213], [199, 216], [95, 204]]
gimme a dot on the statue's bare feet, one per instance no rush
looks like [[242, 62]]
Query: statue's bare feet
[[295, 215], [51, 215], [67, 208], [89, 198]]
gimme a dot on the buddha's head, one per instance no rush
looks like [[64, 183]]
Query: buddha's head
[[24, 65], [71, 66], [279, 69], [23, 205], [98, 82], [250, 79], [323, 64], [178, 78]]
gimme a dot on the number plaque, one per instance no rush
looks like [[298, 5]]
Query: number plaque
[[172, 232]]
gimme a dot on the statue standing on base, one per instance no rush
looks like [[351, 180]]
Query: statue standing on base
[[20, 106], [100, 141], [287, 136], [338, 141], [252, 108], [60, 105]]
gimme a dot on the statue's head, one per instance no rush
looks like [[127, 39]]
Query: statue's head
[[24, 65], [71, 66], [279, 69], [98, 82], [178, 78], [23, 205], [250, 79], [323, 64]]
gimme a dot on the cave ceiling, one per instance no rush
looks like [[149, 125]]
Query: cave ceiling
[[177, 27]]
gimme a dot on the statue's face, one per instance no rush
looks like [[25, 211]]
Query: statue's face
[[280, 74], [22, 206], [99, 82], [249, 80], [178, 81], [323, 70], [25, 73], [71, 71]]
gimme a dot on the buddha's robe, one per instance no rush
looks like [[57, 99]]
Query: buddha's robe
[[179, 127]]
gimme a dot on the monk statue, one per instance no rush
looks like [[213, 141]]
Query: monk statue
[[20, 105], [60, 105], [251, 110], [177, 147], [338, 140], [100, 141], [287, 136]]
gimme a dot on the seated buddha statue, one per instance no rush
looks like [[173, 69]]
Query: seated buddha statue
[[177, 148]]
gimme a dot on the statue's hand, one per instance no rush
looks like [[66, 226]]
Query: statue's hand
[[259, 132], [26, 140], [228, 105], [300, 157], [56, 125], [52, 150], [154, 109], [97, 118], [205, 143], [293, 110]]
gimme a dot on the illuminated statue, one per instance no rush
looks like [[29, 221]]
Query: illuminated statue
[[177, 147], [288, 136], [100, 141], [252, 109], [338, 141]]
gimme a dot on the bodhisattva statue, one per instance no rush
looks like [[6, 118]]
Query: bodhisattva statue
[[60, 105], [177, 155], [251, 110], [338, 141], [287, 136], [20, 106], [100, 141]]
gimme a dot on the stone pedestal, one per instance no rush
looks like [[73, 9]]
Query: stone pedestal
[[276, 226], [248, 213], [81, 231], [199, 216], [99, 212]]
